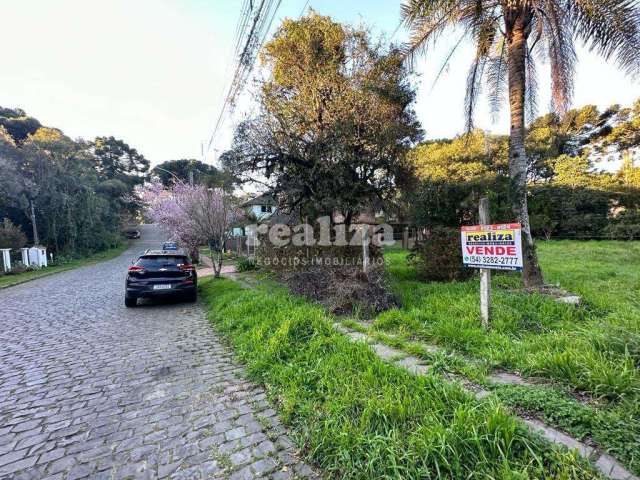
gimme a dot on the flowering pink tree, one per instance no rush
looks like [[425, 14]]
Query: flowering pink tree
[[193, 215]]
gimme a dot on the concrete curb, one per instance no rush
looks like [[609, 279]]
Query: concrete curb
[[604, 463]]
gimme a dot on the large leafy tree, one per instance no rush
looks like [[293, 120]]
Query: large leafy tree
[[625, 136], [184, 170], [17, 123], [117, 160], [508, 36], [465, 158], [335, 123], [58, 185]]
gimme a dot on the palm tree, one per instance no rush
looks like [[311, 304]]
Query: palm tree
[[508, 36]]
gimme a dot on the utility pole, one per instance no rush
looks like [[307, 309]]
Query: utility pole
[[485, 273], [36, 239]]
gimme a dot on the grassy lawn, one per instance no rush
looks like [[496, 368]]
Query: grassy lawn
[[594, 349], [15, 279], [357, 417]]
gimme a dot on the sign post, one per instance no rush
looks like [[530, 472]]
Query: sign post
[[491, 247], [485, 273]]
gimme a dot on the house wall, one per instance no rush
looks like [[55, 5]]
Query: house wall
[[259, 214]]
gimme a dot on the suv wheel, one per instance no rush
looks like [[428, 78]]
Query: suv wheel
[[130, 302], [193, 296]]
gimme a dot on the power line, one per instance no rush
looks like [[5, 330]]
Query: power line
[[396, 30], [252, 29], [306, 4]]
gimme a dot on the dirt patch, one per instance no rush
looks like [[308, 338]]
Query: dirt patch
[[558, 294]]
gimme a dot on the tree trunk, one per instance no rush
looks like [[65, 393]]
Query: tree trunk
[[216, 258], [517, 44]]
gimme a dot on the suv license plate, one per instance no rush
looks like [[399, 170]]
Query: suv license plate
[[161, 287]]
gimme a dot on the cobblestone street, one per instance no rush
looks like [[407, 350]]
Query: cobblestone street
[[90, 389]]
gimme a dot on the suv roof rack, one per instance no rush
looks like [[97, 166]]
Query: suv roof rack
[[179, 253]]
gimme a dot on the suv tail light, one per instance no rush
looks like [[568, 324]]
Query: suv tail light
[[187, 267], [136, 269]]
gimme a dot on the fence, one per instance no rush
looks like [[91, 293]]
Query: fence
[[237, 245], [405, 236], [11, 260]]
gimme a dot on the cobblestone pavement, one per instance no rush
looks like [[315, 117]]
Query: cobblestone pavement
[[89, 389]]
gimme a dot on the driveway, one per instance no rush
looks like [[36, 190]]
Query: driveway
[[90, 389]]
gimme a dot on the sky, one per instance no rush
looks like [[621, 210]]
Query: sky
[[153, 72]]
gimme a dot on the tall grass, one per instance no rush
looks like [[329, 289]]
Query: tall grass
[[360, 418], [595, 348]]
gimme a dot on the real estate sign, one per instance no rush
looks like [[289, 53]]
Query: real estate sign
[[496, 247]]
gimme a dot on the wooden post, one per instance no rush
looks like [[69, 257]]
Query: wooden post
[[365, 248], [485, 274]]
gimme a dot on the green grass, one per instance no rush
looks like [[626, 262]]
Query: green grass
[[15, 279], [616, 428], [594, 348], [357, 417]]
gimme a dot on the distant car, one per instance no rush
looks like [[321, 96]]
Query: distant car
[[170, 246], [132, 234], [161, 274]]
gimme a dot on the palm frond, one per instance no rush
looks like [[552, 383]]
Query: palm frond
[[483, 27], [556, 29], [474, 89], [496, 78], [531, 92], [611, 28], [446, 61], [426, 20]]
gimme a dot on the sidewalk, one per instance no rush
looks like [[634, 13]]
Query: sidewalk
[[205, 269]]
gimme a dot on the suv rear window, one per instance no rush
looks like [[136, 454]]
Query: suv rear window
[[153, 261]]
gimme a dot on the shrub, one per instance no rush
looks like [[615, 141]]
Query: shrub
[[331, 275], [622, 231], [625, 226], [11, 235], [344, 290], [439, 257], [246, 264], [563, 212]]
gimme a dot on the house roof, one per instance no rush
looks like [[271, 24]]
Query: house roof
[[264, 199]]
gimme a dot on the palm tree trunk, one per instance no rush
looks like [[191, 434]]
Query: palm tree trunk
[[517, 44]]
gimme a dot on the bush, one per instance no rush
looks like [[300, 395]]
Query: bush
[[622, 231], [439, 256], [246, 264], [11, 235], [344, 290], [331, 275], [442, 203], [626, 226], [561, 212]]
